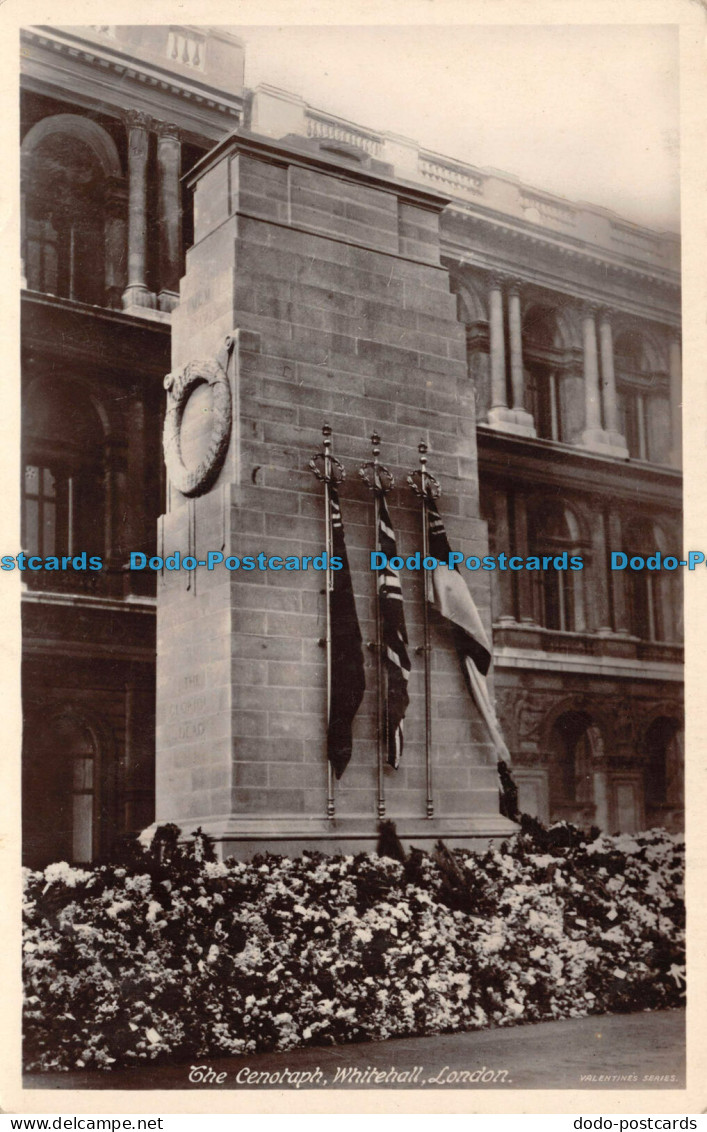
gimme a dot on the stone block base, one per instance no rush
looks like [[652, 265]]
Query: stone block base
[[138, 296], [607, 443], [167, 300], [515, 421], [244, 837], [152, 315]]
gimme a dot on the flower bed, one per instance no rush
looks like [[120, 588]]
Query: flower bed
[[172, 954]]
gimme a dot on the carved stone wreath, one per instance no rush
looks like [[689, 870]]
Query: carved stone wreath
[[179, 388]]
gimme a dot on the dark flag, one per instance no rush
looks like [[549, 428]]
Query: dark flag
[[395, 640], [347, 677], [451, 598]]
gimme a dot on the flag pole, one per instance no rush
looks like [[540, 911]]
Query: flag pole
[[379, 480], [328, 469], [326, 434], [422, 449], [426, 486]]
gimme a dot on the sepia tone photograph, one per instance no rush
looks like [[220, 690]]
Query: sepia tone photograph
[[351, 558]]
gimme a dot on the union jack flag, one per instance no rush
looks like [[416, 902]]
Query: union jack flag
[[396, 660]]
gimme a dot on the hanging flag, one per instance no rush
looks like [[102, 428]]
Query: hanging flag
[[347, 676], [395, 640], [451, 598]]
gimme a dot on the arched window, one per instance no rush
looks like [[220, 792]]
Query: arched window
[[574, 743], [63, 508], [647, 612], [554, 531], [642, 398], [663, 768], [70, 169], [62, 778]]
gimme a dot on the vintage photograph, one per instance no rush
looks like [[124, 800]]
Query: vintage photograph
[[351, 557]]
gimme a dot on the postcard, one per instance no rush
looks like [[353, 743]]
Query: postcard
[[354, 763]]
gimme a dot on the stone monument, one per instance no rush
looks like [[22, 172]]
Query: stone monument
[[313, 294]]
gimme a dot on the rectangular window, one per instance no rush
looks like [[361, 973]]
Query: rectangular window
[[47, 511], [82, 828], [546, 403], [633, 423]]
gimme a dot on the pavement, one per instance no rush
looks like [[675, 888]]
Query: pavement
[[607, 1051]]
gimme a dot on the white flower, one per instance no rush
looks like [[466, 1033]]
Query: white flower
[[364, 934], [117, 907], [62, 871], [513, 1007], [215, 869], [141, 884]]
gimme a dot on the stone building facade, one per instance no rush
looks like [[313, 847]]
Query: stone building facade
[[533, 343]]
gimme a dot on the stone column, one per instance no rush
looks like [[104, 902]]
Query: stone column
[[169, 223], [500, 415], [594, 435], [516, 344], [136, 293], [592, 403], [497, 345], [675, 400], [115, 242], [611, 412], [515, 332]]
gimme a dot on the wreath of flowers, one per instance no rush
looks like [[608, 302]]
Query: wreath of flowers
[[179, 388], [169, 954]]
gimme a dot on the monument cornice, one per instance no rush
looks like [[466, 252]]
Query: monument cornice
[[284, 153]]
